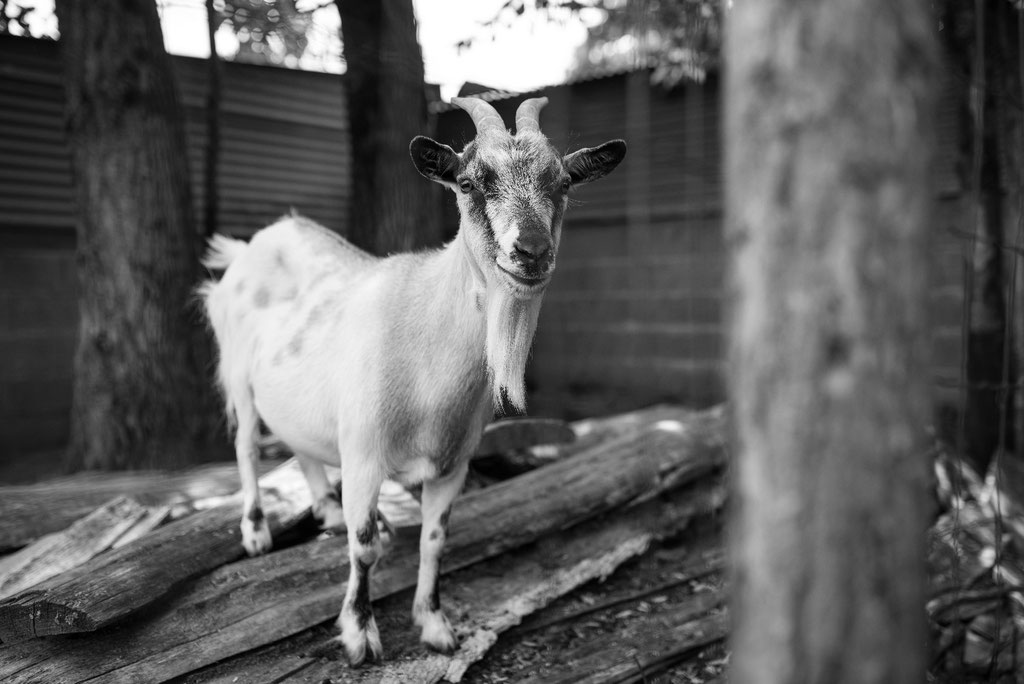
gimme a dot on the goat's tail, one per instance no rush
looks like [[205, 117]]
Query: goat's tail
[[221, 251]]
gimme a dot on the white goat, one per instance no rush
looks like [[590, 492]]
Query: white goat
[[393, 365]]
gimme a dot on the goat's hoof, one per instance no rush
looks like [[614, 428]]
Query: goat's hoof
[[361, 644], [256, 537], [437, 632], [329, 513]]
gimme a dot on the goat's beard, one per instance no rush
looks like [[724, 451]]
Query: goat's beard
[[511, 323]]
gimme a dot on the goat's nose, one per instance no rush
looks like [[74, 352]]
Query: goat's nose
[[531, 247]]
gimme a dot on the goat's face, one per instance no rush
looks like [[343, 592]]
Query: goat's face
[[512, 192]]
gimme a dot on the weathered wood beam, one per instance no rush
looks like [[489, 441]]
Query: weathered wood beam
[[27, 512], [85, 539], [107, 588], [257, 601]]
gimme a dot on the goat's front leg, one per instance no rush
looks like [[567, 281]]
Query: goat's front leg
[[360, 487], [255, 527], [426, 608]]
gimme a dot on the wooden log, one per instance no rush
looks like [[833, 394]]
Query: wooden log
[[108, 588], [592, 431], [27, 512], [55, 553], [260, 600]]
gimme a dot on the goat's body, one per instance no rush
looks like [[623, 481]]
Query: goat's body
[[346, 355], [389, 367]]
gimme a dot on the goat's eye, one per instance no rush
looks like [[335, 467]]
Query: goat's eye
[[466, 185]]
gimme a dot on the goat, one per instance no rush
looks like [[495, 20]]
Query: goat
[[394, 365]]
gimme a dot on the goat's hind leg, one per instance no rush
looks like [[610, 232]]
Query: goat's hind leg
[[255, 529], [426, 608], [360, 484], [327, 507]]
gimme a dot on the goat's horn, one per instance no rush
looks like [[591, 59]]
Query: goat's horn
[[485, 117], [528, 113]]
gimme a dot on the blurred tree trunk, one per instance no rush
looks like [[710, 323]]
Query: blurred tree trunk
[[142, 391], [829, 110], [391, 208]]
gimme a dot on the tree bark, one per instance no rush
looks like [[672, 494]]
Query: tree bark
[[142, 396], [392, 207], [828, 145]]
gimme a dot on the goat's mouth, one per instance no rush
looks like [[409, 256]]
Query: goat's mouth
[[526, 284]]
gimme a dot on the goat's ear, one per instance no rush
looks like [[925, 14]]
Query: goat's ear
[[592, 163], [435, 161]]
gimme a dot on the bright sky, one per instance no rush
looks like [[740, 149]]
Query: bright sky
[[529, 55]]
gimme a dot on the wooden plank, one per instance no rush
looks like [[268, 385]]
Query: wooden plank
[[61, 551], [28, 512], [260, 600], [108, 588], [153, 517]]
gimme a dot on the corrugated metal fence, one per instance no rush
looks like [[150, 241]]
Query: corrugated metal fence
[[633, 316], [284, 144]]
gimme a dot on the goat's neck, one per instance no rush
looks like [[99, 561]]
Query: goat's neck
[[468, 282]]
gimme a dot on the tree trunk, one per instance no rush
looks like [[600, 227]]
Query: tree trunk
[[142, 392], [392, 207], [1005, 25], [973, 45], [829, 112], [211, 159]]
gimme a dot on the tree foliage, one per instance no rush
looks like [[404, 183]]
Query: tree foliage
[[267, 32], [679, 39], [25, 18]]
